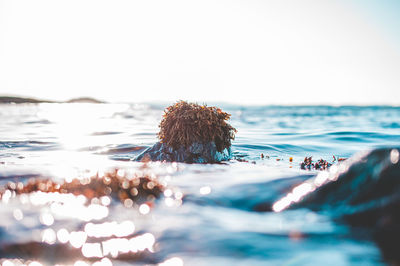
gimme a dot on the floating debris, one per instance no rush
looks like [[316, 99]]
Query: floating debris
[[262, 156], [308, 164], [338, 159]]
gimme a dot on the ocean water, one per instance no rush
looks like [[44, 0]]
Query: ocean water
[[210, 215]]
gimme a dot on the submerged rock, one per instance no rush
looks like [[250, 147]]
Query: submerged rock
[[195, 153]]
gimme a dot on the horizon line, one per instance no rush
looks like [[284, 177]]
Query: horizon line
[[206, 102]]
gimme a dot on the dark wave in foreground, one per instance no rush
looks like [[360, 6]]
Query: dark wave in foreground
[[362, 193]]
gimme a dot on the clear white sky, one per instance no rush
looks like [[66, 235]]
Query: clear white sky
[[250, 51]]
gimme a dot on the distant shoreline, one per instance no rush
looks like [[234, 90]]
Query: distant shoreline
[[11, 99]]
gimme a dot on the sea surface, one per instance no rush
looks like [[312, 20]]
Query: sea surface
[[210, 214]]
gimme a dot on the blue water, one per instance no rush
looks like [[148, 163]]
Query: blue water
[[220, 219]]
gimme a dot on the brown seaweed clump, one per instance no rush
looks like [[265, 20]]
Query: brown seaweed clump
[[186, 123], [309, 164], [138, 188]]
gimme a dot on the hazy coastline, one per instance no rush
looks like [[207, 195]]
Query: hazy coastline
[[16, 99]]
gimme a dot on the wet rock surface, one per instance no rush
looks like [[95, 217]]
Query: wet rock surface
[[195, 153]]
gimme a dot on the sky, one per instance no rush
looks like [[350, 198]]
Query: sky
[[246, 52]]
